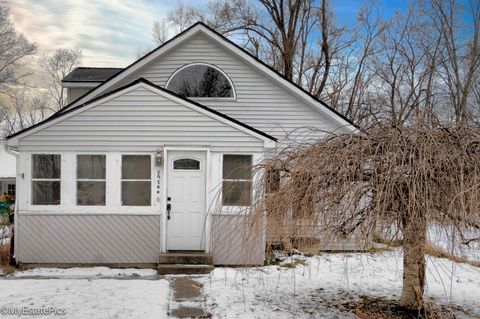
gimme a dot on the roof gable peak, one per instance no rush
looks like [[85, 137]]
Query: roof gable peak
[[235, 49]]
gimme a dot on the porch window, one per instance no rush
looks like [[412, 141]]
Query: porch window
[[237, 180], [136, 180], [11, 189], [46, 172], [91, 172]]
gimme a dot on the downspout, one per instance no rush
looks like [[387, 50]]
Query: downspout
[[15, 216]]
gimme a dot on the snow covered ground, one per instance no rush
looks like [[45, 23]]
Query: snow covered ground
[[86, 273], [85, 298], [450, 240], [316, 288]]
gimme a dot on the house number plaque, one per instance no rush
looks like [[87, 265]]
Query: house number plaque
[[158, 181]]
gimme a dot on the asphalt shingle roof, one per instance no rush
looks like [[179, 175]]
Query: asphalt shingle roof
[[86, 74]]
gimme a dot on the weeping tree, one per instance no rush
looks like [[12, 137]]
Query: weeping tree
[[355, 184]]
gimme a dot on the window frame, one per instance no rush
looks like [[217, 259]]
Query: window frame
[[200, 165], [151, 180], [251, 180], [33, 179], [218, 98], [89, 180], [14, 189]]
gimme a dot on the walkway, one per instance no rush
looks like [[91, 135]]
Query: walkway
[[187, 300]]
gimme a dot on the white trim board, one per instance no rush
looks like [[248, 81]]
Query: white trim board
[[80, 84]]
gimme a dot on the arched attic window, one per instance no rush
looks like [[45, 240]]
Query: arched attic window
[[200, 80]]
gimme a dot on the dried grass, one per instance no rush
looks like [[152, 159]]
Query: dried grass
[[4, 255], [440, 253]]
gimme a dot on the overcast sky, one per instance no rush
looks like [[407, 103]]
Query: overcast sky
[[112, 32]]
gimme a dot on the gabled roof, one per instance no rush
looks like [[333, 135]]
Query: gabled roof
[[90, 74], [229, 45], [213, 113]]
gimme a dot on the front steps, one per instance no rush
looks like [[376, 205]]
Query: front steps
[[184, 263]]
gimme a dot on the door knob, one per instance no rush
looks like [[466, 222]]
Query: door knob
[[169, 208]]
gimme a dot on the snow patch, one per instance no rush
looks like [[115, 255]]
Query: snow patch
[[313, 290], [102, 298], [86, 273]]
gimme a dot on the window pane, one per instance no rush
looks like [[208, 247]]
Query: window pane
[[200, 81], [46, 166], [45, 193], [136, 167], [11, 189], [91, 193], [237, 167], [91, 166], [236, 193], [136, 193], [186, 163]]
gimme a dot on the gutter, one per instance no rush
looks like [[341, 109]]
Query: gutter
[[15, 216]]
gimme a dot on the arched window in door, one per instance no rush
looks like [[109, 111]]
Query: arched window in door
[[186, 164]]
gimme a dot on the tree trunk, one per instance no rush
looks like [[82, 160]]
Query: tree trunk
[[414, 238]]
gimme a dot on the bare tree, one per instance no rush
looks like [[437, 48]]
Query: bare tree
[[3, 115], [160, 32], [183, 16], [57, 66], [41, 106], [461, 59], [283, 34], [26, 108], [316, 65], [405, 74], [14, 48], [370, 28], [380, 70], [345, 186], [287, 27], [223, 16]]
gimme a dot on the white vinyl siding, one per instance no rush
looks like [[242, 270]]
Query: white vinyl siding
[[75, 93], [85, 238], [260, 102], [139, 121]]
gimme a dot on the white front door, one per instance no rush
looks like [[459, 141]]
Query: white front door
[[186, 192]]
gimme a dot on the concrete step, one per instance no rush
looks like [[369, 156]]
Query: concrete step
[[182, 269], [186, 258]]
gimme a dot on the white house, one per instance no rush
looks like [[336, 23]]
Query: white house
[[8, 167], [139, 161]]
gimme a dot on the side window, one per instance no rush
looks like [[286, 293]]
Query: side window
[[237, 180], [46, 172], [91, 172], [11, 189], [136, 180]]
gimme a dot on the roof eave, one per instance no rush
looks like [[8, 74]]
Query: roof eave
[[75, 84]]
